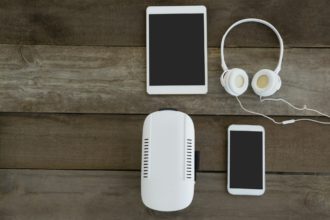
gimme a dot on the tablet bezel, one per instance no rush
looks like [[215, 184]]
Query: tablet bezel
[[177, 89]]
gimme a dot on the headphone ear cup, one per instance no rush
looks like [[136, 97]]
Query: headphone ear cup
[[266, 82], [235, 81], [222, 78], [279, 84]]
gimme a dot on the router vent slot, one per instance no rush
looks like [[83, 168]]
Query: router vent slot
[[189, 159], [145, 158]]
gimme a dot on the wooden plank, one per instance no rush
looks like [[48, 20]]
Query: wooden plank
[[122, 23], [27, 194], [112, 80], [50, 141]]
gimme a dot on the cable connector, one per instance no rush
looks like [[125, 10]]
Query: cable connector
[[288, 122]]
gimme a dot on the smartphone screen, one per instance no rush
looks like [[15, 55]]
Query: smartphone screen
[[246, 160]]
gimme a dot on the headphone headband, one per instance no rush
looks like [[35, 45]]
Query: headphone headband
[[247, 20]]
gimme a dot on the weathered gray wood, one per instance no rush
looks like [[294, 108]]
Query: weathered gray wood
[[46, 141], [86, 195], [302, 23], [112, 80]]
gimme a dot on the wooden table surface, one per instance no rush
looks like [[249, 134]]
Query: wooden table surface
[[73, 101]]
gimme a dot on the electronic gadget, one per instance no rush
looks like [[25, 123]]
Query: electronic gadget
[[264, 83], [176, 50], [168, 163], [246, 160]]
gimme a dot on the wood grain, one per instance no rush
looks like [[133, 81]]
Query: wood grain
[[112, 80], [100, 195], [57, 141], [302, 23], [82, 108]]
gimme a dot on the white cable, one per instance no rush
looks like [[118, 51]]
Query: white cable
[[247, 20], [304, 108], [291, 121], [312, 120], [256, 113]]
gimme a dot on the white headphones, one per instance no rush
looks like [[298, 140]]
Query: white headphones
[[264, 83]]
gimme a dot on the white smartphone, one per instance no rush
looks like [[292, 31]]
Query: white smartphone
[[246, 160], [176, 50]]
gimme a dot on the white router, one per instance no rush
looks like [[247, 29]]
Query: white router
[[168, 163]]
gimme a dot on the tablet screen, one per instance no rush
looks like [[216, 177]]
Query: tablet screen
[[176, 49]]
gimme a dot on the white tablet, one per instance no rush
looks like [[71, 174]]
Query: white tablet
[[176, 50]]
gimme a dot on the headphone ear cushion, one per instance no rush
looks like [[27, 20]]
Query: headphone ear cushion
[[235, 81], [266, 82]]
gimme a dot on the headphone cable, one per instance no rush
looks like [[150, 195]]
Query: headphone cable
[[290, 121]]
